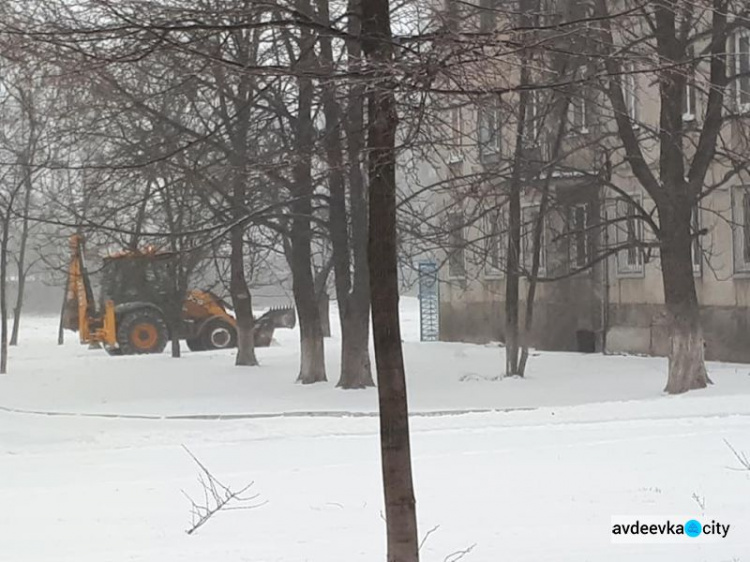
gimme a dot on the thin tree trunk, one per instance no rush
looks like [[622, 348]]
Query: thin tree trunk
[[178, 280], [324, 302], [525, 335], [242, 301], [400, 506], [140, 217], [61, 325], [351, 286], [21, 288], [513, 274], [175, 329], [3, 299], [358, 326]]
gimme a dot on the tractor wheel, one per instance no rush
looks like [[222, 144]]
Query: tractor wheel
[[218, 334], [142, 331], [195, 344]]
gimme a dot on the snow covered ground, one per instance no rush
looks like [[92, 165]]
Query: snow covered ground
[[92, 466]]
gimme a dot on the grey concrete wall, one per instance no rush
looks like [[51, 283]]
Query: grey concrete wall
[[634, 328], [564, 309]]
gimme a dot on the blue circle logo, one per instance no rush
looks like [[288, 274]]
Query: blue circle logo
[[693, 528]]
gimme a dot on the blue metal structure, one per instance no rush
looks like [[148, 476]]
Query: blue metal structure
[[429, 301]]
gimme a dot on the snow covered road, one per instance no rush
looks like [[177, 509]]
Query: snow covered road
[[589, 437], [518, 485]]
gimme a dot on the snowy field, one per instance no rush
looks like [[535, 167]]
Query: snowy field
[[92, 467]]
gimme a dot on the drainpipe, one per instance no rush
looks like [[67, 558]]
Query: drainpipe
[[605, 282]]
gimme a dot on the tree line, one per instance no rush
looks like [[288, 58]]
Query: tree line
[[237, 133]]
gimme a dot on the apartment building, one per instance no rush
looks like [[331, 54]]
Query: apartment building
[[599, 276]]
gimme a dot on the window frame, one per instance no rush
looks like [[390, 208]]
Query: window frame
[[579, 106], [627, 270], [630, 93], [689, 109], [489, 137], [738, 56], [576, 237], [494, 230], [456, 133], [532, 118], [741, 230]]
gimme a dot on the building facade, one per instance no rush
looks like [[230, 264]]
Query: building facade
[[598, 282]]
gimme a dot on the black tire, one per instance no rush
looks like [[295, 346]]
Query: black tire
[[195, 344], [218, 334], [142, 331]]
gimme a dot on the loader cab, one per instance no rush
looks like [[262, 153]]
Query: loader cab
[[138, 277]]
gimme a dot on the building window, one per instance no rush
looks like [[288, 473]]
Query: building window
[[688, 103], [494, 232], [532, 128], [741, 229], [689, 99], [630, 92], [740, 48], [489, 128], [529, 220], [695, 248], [577, 116], [456, 245], [578, 109], [456, 133], [578, 235], [629, 230]]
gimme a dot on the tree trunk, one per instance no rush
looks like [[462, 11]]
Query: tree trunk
[[349, 229], [513, 273], [19, 302], [61, 325], [242, 302], [687, 368], [356, 371], [3, 299], [312, 351], [537, 248], [175, 346], [400, 506], [22, 258], [312, 355], [324, 311]]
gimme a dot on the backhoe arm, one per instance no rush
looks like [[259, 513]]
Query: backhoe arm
[[80, 310]]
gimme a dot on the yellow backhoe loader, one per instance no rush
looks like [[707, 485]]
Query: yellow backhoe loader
[[132, 317]]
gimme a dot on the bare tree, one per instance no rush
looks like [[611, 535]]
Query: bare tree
[[400, 508], [657, 40]]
